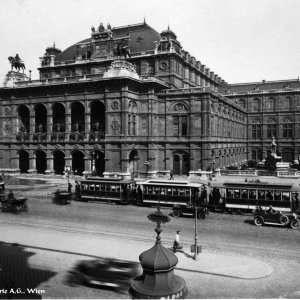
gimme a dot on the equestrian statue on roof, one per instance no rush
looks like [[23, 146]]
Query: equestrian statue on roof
[[16, 63]]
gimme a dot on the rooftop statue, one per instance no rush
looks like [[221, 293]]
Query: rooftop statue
[[16, 63]]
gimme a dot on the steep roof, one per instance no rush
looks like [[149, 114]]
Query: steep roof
[[142, 38]]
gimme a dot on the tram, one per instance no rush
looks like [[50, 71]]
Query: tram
[[106, 189], [168, 192], [246, 196]]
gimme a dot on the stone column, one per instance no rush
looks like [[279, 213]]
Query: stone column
[[49, 122], [32, 163], [87, 125], [31, 122], [50, 169]]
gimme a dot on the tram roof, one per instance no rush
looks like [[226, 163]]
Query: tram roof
[[106, 180], [176, 183], [259, 184]]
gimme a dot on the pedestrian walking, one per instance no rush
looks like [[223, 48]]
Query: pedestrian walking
[[176, 244], [171, 175]]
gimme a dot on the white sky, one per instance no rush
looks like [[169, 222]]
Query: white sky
[[240, 40]]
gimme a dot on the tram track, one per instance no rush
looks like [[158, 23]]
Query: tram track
[[229, 248]]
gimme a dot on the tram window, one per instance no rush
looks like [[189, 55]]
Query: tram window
[[97, 187], [113, 188], [230, 193], [102, 187], [163, 191], [175, 192], [150, 190], [277, 195], [285, 196], [187, 192], [252, 194], [169, 191], [237, 194], [181, 192], [244, 194], [156, 190], [269, 195], [261, 195], [92, 187], [117, 188], [84, 186]]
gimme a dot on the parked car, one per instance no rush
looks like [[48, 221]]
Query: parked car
[[183, 210], [103, 272], [272, 216]]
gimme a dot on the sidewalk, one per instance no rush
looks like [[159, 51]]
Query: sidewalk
[[75, 246]]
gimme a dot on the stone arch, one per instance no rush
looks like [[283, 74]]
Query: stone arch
[[23, 161], [179, 107], [40, 118], [97, 113], [41, 161], [133, 166], [59, 117], [77, 163], [58, 162], [77, 116], [23, 121]]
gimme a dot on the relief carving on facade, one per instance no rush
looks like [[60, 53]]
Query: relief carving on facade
[[115, 126], [115, 105]]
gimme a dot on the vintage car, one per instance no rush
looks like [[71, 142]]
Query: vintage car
[[183, 210], [12, 204], [275, 217], [60, 197], [103, 273]]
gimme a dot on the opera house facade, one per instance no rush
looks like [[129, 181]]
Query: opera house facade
[[129, 100]]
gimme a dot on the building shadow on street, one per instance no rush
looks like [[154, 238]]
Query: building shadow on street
[[17, 278]]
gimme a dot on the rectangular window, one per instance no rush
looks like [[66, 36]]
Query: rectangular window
[[287, 130], [180, 125], [175, 125], [256, 131]]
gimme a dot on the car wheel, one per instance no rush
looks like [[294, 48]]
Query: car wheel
[[283, 220], [201, 215], [294, 224], [176, 213], [258, 221]]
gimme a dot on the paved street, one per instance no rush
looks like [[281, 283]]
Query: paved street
[[239, 260]]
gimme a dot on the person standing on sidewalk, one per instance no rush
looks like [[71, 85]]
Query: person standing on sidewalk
[[176, 244], [171, 175]]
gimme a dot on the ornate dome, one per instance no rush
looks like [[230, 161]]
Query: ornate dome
[[158, 258]]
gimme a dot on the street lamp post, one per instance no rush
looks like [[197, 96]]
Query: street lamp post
[[67, 174], [147, 164], [196, 239], [213, 167]]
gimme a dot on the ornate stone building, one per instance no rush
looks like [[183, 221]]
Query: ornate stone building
[[123, 98], [273, 109]]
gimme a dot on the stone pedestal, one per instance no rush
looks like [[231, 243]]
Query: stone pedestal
[[12, 77], [121, 68]]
